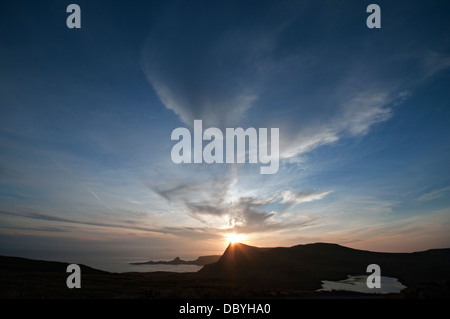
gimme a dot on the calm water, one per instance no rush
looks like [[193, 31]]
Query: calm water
[[123, 265], [110, 263], [358, 284]]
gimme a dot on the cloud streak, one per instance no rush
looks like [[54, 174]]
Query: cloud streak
[[190, 232], [433, 194], [214, 205]]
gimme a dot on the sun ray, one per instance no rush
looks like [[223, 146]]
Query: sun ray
[[234, 238]]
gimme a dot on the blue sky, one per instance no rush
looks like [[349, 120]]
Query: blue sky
[[86, 117]]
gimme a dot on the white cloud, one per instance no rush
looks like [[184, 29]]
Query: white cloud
[[364, 110], [299, 197]]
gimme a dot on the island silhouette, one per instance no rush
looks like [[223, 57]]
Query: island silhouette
[[242, 271], [200, 261]]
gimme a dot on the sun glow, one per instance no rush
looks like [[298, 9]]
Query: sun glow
[[234, 238]]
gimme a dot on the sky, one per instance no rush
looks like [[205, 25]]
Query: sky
[[86, 117]]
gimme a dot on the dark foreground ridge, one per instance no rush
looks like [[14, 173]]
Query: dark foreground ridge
[[306, 265], [241, 272]]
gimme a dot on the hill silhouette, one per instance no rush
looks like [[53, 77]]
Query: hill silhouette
[[241, 272], [307, 265]]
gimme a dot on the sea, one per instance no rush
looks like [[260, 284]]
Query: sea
[[121, 265], [110, 263]]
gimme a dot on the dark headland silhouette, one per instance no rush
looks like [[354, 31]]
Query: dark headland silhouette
[[241, 272], [200, 261]]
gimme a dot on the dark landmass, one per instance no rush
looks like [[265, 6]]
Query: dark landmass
[[241, 272], [306, 265], [200, 261]]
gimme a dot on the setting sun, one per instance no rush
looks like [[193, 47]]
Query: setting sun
[[234, 238]]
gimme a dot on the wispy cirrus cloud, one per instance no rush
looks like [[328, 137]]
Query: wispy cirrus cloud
[[52, 219], [434, 194], [351, 96], [217, 79], [235, 74], [291, 197], [89, 148]]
